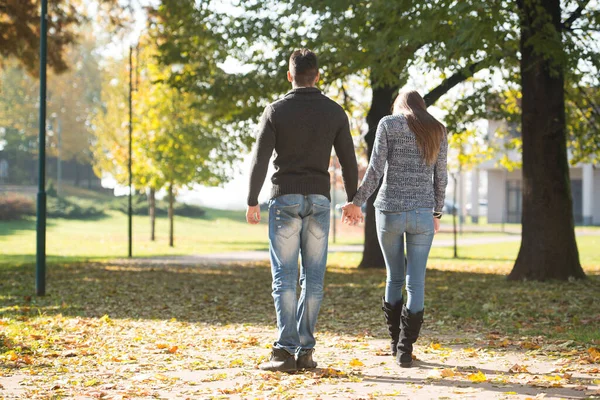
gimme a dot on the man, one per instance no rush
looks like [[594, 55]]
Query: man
[[301, 127]]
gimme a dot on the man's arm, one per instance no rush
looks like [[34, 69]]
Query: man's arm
[[265, 143], [344, 148]]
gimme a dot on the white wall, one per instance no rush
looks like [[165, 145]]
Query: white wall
[[497, 193]]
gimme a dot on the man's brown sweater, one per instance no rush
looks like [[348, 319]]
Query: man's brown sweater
[[302, 127]]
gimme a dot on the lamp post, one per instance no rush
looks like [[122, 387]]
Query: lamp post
[[130, 206], [40, 269]]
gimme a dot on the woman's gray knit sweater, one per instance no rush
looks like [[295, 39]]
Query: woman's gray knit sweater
[[409, 183]]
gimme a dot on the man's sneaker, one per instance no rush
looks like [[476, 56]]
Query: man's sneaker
[[280, 360], [305, 360]]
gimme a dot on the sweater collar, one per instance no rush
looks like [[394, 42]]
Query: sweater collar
[[304, 90]]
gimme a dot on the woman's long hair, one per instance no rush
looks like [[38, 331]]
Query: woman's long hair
[[428, 130]]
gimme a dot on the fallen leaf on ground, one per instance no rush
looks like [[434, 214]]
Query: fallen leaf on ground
[[477, 377], [518, 368], [355, 362]]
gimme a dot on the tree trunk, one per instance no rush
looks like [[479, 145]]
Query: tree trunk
[[381, 105], [171, 215], [548, 247], [152, 212]]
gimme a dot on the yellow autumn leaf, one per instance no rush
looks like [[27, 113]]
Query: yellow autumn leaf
[[448, 373], [91, 382], [477, 377], [162, 346], [238, 362], [355, 362], [106, 319], [435, 346]]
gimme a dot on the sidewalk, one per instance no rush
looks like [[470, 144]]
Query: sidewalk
[[249, 256]]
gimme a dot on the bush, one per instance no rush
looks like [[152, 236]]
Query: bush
[[14, 207], [73, 208], [141, 207], [186, 210]]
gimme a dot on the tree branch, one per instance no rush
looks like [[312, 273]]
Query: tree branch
[[566, 25], [460, 76]]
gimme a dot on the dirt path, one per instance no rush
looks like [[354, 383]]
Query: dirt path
[[349, 368]]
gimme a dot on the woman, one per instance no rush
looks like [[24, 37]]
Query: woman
[[411, 151]]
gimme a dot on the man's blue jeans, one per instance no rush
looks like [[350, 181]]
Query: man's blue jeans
[[418, 227], [298, 225]]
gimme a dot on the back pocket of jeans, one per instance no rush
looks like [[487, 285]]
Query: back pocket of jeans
[[424, 222], [318, 225], [285, 220]]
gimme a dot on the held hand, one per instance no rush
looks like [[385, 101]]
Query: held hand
[[436, 225], [253, 214], [352, 214]]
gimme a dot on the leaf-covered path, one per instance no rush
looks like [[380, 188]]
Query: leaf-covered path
[[125, 331]]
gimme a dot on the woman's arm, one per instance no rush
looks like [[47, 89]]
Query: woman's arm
[[375, 169], [440, 175]]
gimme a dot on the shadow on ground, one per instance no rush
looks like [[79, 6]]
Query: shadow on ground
[[241, 294]]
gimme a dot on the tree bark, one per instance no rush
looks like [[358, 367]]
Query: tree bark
[[548, 247], [171, 217], [152, 213], [381, 105]]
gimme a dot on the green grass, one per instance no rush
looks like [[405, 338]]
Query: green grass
[[219, 231]]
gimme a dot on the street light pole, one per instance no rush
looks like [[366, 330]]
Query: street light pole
[[130, 206], [40, 269]]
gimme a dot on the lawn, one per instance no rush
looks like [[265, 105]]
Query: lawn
[[219, 231]]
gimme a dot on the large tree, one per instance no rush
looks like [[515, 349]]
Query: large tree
[[20, 33], [548, 246], [352, 38], [381, 40]]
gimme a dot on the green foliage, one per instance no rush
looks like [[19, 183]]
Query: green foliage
[[51, 189], [379, 41], [14, 207], [73, 208]]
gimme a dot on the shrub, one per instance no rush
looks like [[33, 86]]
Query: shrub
[[141, 207], [73, 208], [14, 206]]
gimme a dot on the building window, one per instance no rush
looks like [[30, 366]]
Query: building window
[[514, 201]]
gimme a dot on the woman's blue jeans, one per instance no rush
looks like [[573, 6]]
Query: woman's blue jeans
[[298, 226], [391, 228]]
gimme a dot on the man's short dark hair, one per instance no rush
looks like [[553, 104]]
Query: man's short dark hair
[[304, 67]]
